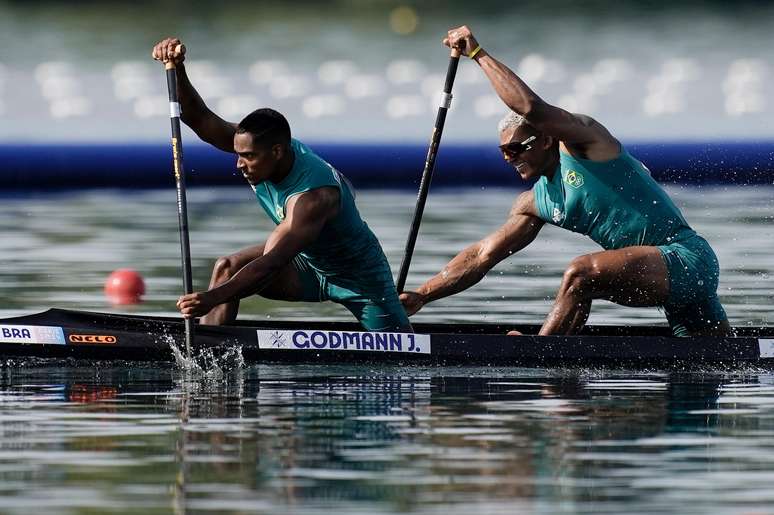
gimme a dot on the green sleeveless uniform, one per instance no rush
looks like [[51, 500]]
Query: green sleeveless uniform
[[618, 204], [346, 263]]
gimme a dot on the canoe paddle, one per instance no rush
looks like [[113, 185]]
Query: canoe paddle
[[427, 173], [182, 210]]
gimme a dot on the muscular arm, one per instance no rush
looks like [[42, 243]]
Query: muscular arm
[[581, 135], [194, 112], [472, 264], [307, 214], [210, 127]]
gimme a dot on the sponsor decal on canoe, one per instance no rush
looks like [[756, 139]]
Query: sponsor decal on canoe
[[766, 346], [343, 341], [32, 334], [92, 338]]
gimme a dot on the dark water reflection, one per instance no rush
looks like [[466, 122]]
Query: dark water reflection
[[59, 249], [143, 438], [309, 439]]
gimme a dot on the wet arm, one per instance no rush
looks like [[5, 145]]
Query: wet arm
[[570, 128], [210, 127], [307, 214], [473, 263]]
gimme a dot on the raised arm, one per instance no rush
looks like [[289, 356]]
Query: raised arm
[[580, 133], [210, 127], [307, 213], [472, 264]]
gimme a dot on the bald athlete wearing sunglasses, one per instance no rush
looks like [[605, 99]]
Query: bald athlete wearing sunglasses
[[587, 183]]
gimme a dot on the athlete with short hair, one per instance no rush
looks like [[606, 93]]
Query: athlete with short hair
[[320, 250], [587, 183]]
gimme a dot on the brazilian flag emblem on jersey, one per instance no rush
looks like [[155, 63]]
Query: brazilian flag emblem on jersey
[[574, 179]]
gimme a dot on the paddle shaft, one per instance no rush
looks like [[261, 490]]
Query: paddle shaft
[[427, 173], [182, 209]]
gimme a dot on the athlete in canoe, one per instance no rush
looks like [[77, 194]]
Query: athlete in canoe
[[320, 250], [586, 183]]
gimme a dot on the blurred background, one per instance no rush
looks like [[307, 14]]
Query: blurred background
[[371, 70], [686, 85], [84, 126]]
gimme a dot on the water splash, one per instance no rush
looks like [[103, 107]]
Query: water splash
[[209, 363]]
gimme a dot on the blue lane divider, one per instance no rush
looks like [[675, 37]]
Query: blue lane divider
[[76, 166]]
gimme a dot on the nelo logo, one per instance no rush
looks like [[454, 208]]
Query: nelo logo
[[92, 338]]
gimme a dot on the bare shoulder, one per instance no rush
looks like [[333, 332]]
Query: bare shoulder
[[598, 145], [322, 201], [521, 227], [524, 205]]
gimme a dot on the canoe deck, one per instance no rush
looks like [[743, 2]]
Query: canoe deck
[[58, 333]]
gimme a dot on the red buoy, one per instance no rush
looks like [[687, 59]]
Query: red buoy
[[124, 286]]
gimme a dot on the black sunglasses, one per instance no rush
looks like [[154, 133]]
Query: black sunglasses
[[514, 149]]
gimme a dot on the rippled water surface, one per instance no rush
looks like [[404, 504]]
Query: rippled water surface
[[58, 249], [268, 439], [305, 439]]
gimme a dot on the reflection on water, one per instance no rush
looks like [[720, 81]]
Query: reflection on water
[[275, 439], [306, 439], [57, 250]]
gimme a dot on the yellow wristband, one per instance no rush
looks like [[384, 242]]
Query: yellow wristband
[[474, 52]]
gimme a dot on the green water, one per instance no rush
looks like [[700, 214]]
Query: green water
[[59, 249], [144, 438], [278, 440]]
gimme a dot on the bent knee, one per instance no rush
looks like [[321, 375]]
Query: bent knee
[[580, 276], [225, 266]]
